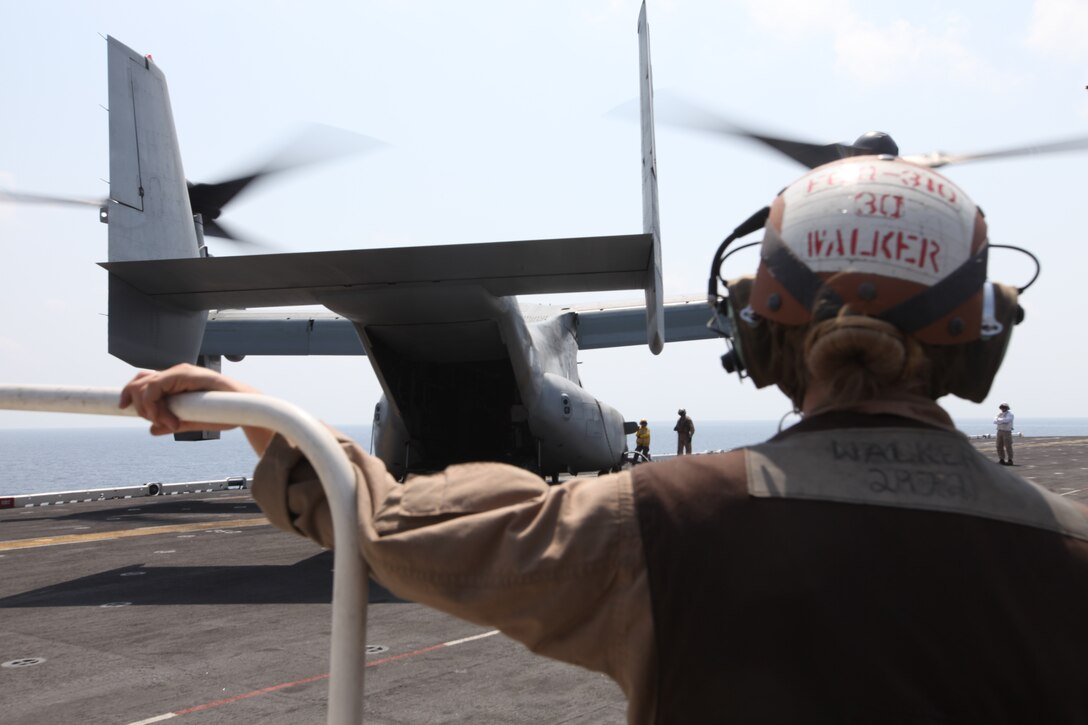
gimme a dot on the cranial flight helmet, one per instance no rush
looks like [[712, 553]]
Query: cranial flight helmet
[[881, 237]]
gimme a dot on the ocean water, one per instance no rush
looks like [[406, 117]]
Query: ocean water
[[48, 460], [44, 460]]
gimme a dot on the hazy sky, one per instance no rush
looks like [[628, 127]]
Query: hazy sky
[[495, 116]]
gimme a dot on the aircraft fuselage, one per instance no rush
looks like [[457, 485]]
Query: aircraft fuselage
[[466, 378]]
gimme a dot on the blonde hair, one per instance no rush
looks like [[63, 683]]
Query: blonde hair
[[859, 358], [862, 357]]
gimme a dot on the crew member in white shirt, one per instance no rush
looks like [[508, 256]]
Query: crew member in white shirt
[[1003, 421]]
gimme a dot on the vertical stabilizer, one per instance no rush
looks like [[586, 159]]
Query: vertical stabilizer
[[149, 214], [651, 223]]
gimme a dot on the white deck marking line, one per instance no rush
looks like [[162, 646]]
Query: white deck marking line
[[315, 678], [470, 639], [432, 648], [157, 718], [1070, 493]]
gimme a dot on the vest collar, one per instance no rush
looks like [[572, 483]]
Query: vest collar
[[902, 405]]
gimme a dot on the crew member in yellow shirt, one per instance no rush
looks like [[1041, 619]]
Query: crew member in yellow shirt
[[642, 439]]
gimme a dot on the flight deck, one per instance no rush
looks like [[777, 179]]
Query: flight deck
[[192, 606]]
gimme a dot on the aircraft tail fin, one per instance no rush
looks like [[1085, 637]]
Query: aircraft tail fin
[[149, 214], [651, 224]]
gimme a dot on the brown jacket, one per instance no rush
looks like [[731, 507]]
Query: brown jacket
[[558, 568]]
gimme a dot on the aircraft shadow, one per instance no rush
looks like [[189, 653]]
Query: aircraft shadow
[[307, 582]]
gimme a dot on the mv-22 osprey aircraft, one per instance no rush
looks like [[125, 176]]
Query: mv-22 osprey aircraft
[[465, 374]]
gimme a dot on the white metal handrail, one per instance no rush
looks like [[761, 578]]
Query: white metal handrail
[[317, 443]]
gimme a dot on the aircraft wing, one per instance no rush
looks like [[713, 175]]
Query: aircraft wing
[[685, 320], [582, 264], [311, 332]]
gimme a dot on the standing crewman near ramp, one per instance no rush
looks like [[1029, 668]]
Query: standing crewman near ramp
[[685, 430], [866, 565]]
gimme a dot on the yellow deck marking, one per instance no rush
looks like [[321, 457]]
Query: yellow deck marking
[[127, 533]]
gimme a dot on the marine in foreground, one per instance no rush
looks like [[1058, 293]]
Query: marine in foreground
[[865, 565]]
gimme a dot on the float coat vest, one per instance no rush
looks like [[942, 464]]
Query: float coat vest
[[863, 569]]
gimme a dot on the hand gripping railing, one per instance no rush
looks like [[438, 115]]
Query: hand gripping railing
[[349, 593]]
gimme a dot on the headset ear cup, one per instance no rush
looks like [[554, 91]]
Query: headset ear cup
[[751, 342], [982, 358]]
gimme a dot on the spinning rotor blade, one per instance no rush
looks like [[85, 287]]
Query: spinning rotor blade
[[808, 154], [24, 198], [680, 112], [215, 229], [313, 145], [209, 199], [676, 111], [226, 234], [939, 158]]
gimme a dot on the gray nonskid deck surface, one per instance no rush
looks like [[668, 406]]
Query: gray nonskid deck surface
[[134, 628], [230, 623]]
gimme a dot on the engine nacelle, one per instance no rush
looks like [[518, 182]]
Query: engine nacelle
[[576, 432]]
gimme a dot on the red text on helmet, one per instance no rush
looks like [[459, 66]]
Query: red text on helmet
[[913, 177], [867, 203], [894, 245]]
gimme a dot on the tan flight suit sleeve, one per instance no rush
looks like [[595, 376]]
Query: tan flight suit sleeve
[[558, 568]]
